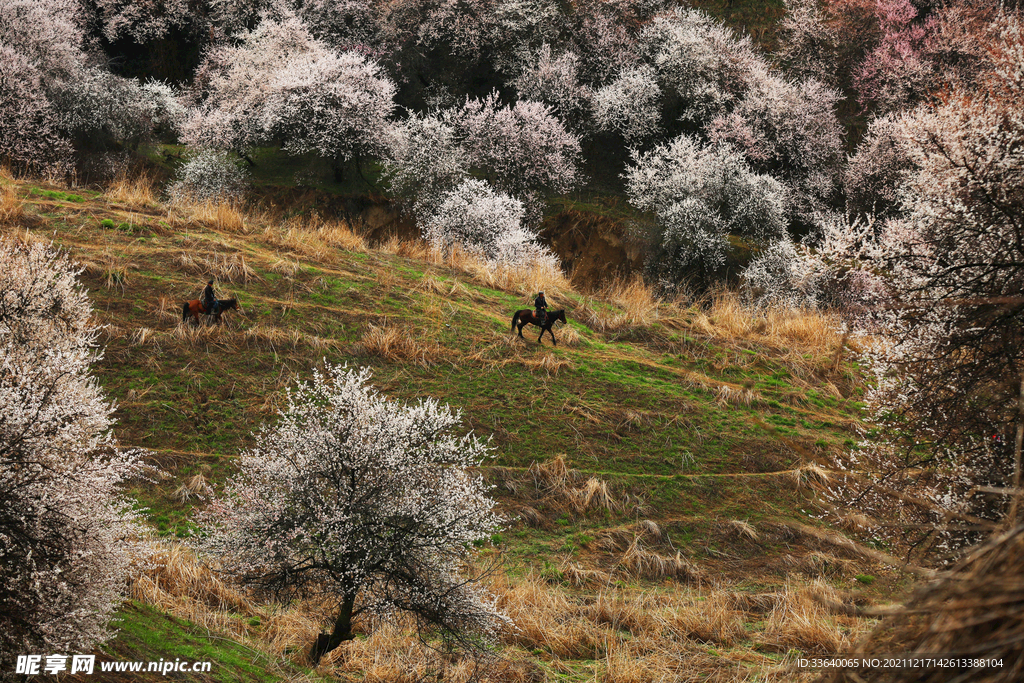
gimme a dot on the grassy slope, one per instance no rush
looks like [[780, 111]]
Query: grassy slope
[[640, 408]]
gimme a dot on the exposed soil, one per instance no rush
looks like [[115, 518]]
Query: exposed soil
[[593, 248]]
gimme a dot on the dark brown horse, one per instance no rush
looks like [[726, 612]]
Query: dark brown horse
[[527, 317], [195, 308]]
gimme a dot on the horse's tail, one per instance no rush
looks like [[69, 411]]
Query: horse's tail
[[184, 312], [515, 319]]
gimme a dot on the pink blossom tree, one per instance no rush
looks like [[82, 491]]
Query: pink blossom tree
[[67, 534], [363, 503], [523, 149], [947, 399], [895, 72]]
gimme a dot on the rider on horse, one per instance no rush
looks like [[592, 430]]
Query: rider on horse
[[209, 300], [541, 306]]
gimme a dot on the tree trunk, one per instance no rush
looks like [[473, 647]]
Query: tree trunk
[[1017, 444], [359, 170], [324, 643], [338, 166]]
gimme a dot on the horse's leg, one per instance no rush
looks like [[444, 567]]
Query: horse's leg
[[553, 340]]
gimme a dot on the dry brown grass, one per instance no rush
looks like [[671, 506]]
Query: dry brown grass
[[578, 576], [168, 309], [593, 495], [114, 270], [226, 267], [529, 279], [737, 396], [743, 528], [548, 363], [394, 344], [177, 581], [546, 619], [449, 289], [642, 563], [136, 191], [141, 336], [669, 631], [272, 337], [725, 318], [315, 238], [11, 208], [196, 335], [561, 488], [803, 619], [812, 476], [195, 487], [224, 215]]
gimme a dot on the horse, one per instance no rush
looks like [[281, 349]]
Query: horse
[[195, 309], [528, 317]]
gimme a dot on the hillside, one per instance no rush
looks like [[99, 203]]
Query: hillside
[[658, 466]]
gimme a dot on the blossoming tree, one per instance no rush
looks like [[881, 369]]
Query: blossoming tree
[[67, 536], [700, 195], [282, 85], [363, 503]]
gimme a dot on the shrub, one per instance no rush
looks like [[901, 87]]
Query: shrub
[[209, 175], [485, 223]]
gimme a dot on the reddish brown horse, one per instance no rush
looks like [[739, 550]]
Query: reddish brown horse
[[195, 309], [527, 317]]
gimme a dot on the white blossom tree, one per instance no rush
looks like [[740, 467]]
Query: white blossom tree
[[364, 503], [782, 275], [555, 81], [486, 223], [209, 175], [424, 160], [282, 85], [698, 60], [947, 362], [40, 45], [29, 135], [145, 20], [789, 129], [630, 105], [700, 195], [810, 46], [878, 171], [55, 94], [67, 536]]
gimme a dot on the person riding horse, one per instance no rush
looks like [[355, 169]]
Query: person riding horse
[[210, 303], [540, 305]]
